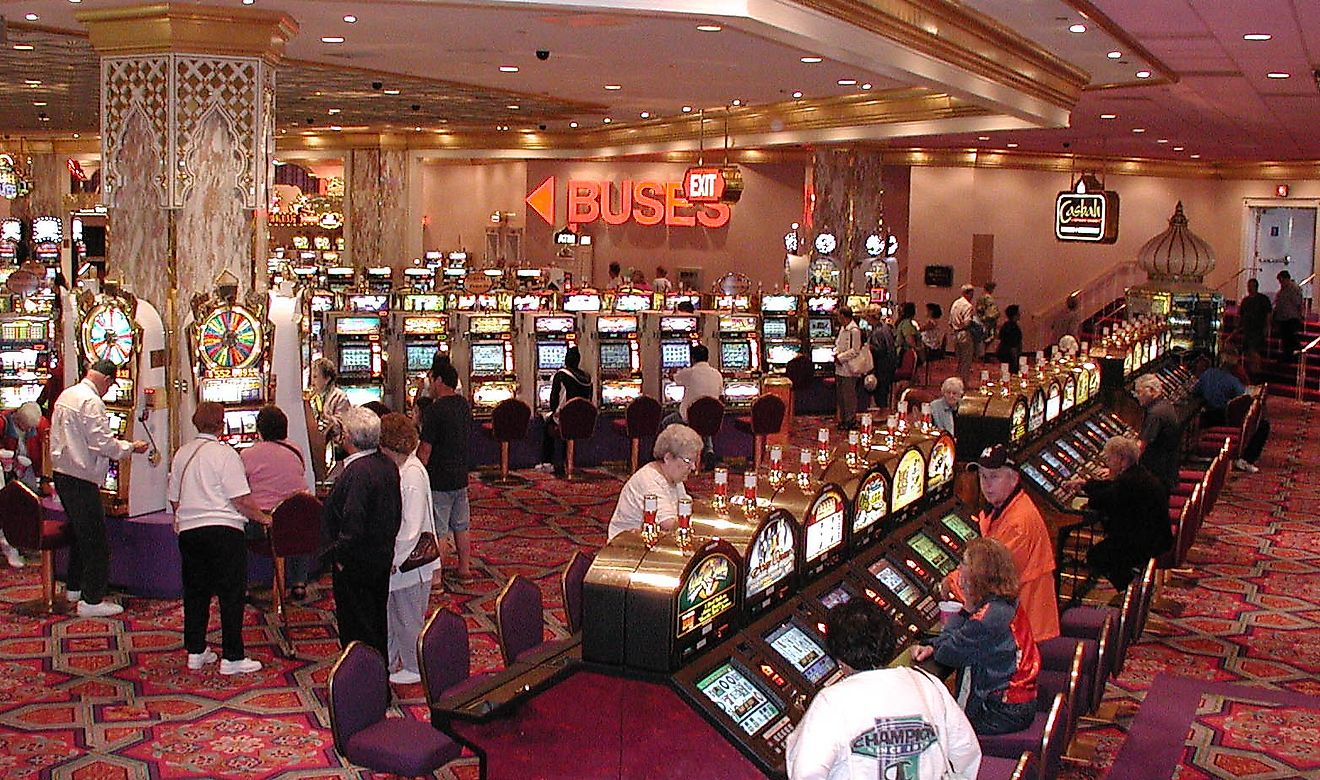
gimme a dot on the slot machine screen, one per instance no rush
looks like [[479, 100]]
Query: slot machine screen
[[369, 302], [736, 355], [740, 699], [824, 526], [1036, 417], [770, 559], [543, 395], [824, 355], [554, 324], [616, 357], [1056, 464], [362, 394], [932, 553], [632, 302], [1052, 403], [779, 303], [675, 354], [895, 581], [872, 501], [357, 326], [111, 483], [737, 323], [1069, 450], [678, 324], [1018, 422], [619, 393], [1097, 429], [118, 423], [488, 395], [708, 593], [820, 328], [909, 479], [959, 526], [779, 354], [736, 392], [240, 422], [940, 469], [550, 357], [1037, 477], [774, 328], [582, 303], [616, 324], [419, 356], [674, 393], [487, 359], [802, 651], [354, 359], [488, 325], [833, 598]]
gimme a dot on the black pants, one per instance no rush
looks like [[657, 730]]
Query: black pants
[[214, 564], [1256, 443], [553, 448], [1288, 331], [89, 555], [1115, 562], [361, 595]]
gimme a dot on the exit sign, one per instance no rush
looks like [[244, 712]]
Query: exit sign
[[712, 184]]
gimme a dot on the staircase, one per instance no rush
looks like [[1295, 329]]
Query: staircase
[[1279, 373]]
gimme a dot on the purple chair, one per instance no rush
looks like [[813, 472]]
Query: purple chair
[[295, 529], [767, 418], [571, 586], [994, 768], [640, 420], [1046, 734], [519, 618], [446, 664], [1071, 685], [706, 417], [359, 696], [27, 528], [1087, 622], [800, 372], [577, 420], [507, 424]]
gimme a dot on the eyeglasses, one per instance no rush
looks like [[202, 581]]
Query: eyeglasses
[[688, 461]]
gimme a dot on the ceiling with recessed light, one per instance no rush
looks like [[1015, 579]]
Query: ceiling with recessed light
[[1177, 69]]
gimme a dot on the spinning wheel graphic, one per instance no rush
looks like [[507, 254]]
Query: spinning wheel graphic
[[230, 337], [108, 334]]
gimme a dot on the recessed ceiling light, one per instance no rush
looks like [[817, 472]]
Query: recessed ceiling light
[[983, 138], [866, 85], [508, 69], [23, 47], [1138, 129], [736, 102], [512, 106], [76, 135], [1115, 55], [75, 1], [687, 109], [614, 87], [332, 39], [1177, 148], [38, 103], [709, 27], [245, 2], [1257, 37], [1012, 146], [1276, 75], [646, 115], [572, 124], [334, 111], [32, 82], [1161, 140], [351, 19], [1195, 156], [1077, 28], [797, 94], [1143, 74], [1109, 116], [417, 129], [336, 128], [812, 60], [32, 17], [847, 82], [608, 120], [392, 92]]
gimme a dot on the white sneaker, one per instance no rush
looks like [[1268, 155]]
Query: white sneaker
[[405, 677], [73, 596], [197, 660], [545, 468], [241, 666], [104, 609], [1242, 465], [14, 557]]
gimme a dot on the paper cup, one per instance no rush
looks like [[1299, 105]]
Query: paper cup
[[948, 609]]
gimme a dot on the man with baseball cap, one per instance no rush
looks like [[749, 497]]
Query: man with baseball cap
[[81, 448], [1015, 520]]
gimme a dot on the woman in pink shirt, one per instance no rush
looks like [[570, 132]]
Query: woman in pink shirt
[[276, 470]]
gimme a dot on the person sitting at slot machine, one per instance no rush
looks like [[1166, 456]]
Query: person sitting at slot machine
[[638, 280], [23, 433], [990, 640], [1134, 513], [569, 382], [276, 470], [879, 722], [1014, 520], [329, 400], [944, 410], [699, 380], [615, 281], [676, 451]]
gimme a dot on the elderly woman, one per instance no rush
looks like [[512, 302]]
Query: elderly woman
[[1134, 513], [328, 400], [991, 639], [944, 410], [24, 433], [361, 519], [676, 451], [410, 591], [209, 493], [276, 470]]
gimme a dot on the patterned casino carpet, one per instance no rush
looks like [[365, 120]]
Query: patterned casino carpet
[[106, 699]]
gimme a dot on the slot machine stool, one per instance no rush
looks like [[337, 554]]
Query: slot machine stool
[[640, 420], [508, 423], [766, 420], [577, 420], [27, 528]]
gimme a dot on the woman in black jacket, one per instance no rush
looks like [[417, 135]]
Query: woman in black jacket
[[568, 383]]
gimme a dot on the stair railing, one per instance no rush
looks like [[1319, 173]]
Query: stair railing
[[1103, 289], [1303, 365]]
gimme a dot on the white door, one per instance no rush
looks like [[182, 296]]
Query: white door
[[1280, 238]]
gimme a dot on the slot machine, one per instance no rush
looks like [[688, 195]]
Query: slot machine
[[423, 330], [631, 301], [47, 236], [673, 299], [822, 328], [30, 334], [380, 280], [992, 414], [231, 361], [115, 326], [1072, 452], [486, 363], [612, 355], [781, 330], [419, 280], [11, 236], [822, 512], [542, 342], [358, 342], [766, 539], [737, 337], [667, 341], [340, 278]]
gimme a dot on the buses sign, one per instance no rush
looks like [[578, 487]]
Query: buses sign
[[1086, 213]]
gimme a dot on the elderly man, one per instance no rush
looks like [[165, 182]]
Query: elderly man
[[1288, 304], [1134, 513], [944, 410], [23, 432], [81, 448], [961, 314], [1016, 521], [209, 493], [1161, 434], [361, 518]]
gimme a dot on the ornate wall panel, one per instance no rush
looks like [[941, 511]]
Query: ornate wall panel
[[139, 227], [213, 234], [134, 85], [849, 190]]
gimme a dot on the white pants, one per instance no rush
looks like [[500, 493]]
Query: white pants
[[406, 610]]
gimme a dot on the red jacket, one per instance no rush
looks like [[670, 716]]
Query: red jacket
[[36, 439]]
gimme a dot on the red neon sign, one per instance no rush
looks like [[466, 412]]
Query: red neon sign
[[648, 203]]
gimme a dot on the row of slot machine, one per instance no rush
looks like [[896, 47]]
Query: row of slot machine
[[30, 317], [731, 606]]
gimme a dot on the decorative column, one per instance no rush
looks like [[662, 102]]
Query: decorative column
[[50, 183], [849, 190], [187, 138], [376, 206]]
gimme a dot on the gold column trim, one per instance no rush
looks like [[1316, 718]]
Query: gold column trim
[[195, 29], [1128, 166], [954, 34]]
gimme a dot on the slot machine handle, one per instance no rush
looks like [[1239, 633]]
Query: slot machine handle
[[153, 453]]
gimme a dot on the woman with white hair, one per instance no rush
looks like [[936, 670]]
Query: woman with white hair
[[23, 434], [676, 451], [944, 410]]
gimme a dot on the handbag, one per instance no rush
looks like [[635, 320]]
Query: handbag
[[425, 551], [861, 363]]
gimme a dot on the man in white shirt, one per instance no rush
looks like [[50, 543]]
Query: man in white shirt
[[81, 448], [209, 494], [961, 314], [699, 380], [879, 722]]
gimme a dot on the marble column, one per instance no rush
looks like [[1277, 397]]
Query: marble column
[[376, 206], [187, 142], [849, 189], [50, 183]]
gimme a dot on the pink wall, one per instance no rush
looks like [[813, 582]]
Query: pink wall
[[458, 198]]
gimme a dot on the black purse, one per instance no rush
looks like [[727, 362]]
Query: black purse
[[426, 550]]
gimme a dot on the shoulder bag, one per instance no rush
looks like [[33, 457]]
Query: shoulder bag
[[426, 550]]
